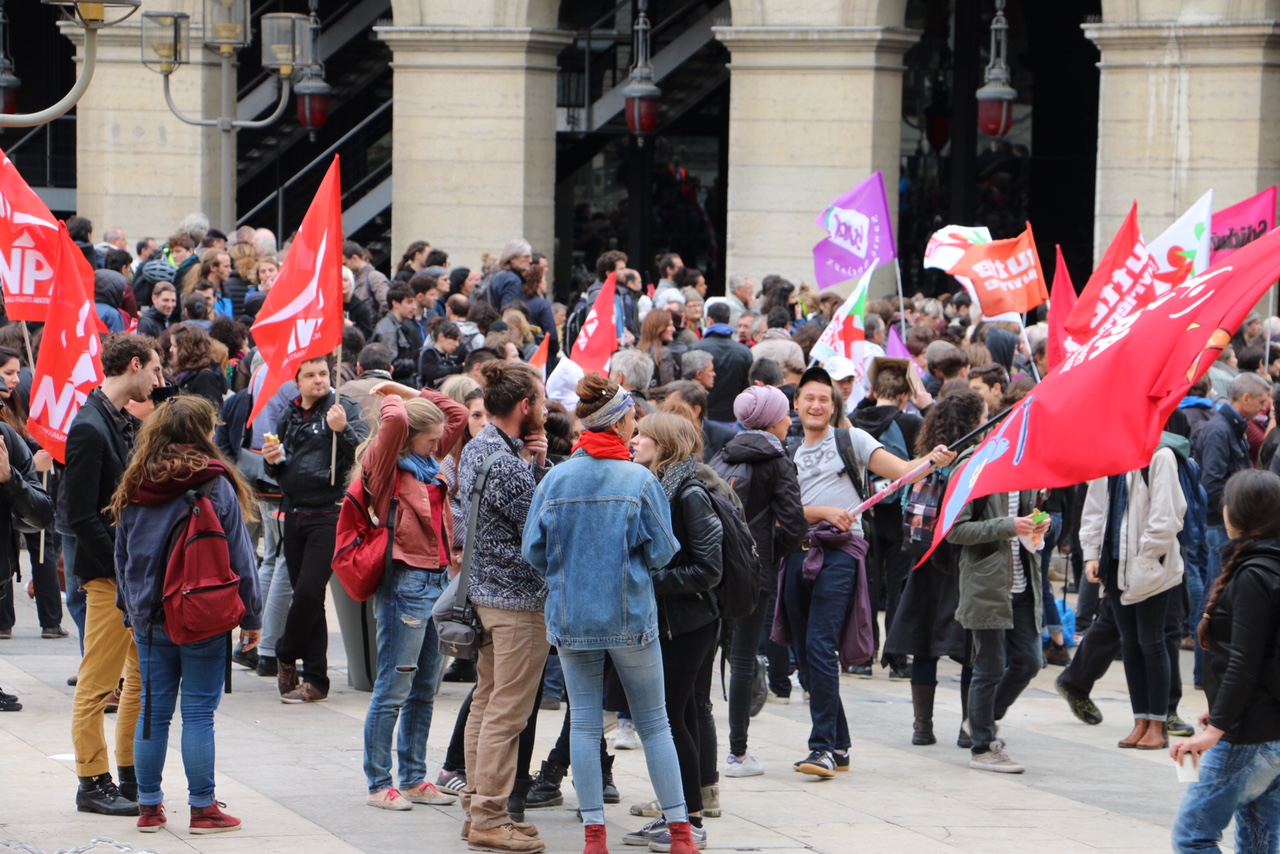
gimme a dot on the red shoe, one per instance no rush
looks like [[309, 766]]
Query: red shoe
[[597, 842], [151, 819], [212, 819], [681, 838]]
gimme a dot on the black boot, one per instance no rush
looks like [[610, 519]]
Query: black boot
[[266, 666], [128, 782], [922, 704], [611, 795], [99, 794], [516, 800], [460, 671], [962, 738], [546, 787]]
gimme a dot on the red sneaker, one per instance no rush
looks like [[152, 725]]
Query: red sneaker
[[212, 819], [151, 819]]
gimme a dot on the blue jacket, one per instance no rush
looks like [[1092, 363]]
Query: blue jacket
[[141, 560], [597, 528]]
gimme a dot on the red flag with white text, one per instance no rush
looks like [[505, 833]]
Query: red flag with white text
[[301, 317], [598, 339], [28, 244], [1129, 380], [69, 367], [1123, 283], [1005, 273], [1061, 302]]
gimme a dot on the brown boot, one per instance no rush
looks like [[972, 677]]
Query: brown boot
[[1155, 738], [504, 838], [286, 676], [1139, 730]]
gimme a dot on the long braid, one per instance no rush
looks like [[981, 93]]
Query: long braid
[[1228, 568]]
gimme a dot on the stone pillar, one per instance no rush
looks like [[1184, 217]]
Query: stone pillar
[[1185, 105], [137, 165], [475, 135], [812, 111]]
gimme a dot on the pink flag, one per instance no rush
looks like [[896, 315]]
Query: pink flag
[[1241, 224], [859, 234]]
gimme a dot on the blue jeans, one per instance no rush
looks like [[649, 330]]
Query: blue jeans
[[1052, 618], [640, 670], [1235, 779], [1215, 537], [816, 611], [75, 596], [408, 670], [995, 687], [273, 579], [553, 679], [195, 671]]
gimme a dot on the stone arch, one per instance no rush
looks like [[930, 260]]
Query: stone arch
[[534, 14], [818, 13]]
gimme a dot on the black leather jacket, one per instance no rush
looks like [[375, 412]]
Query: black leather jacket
[[685, 587], [1242, 673], [29, 507], [304, 474]]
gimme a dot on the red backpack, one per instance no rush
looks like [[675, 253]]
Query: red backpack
[[362, 550]]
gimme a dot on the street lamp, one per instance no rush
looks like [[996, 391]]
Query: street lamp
[[641, 93], [287, 46], [312, 91], [996, 97], [93, 15], [642, 117]]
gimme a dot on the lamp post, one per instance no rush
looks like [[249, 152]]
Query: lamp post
[[93, 15], [996, 97], [287, 49], [642, 117]]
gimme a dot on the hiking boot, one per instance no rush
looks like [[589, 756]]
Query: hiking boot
[[646, 834], [711, 801], [819, 763], [747, 766], [452, 781], [506, 838], [53, 632], [1081, 706], [389, 799], [545, 791], [267, 665], [664, 843], [100, 795], [426, 793], [922, 706], [1057, 654], [212, 819], [286, 676], [1178, 728], [995, 760], [151, 818], [625, 737], [611, 793], [304, 693]]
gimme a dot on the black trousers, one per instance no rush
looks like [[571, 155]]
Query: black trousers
[[887, 569], [455, 757], [684, 658], [308, 552], [45, 574]]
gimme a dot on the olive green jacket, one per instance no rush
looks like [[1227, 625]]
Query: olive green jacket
[[986, 564]]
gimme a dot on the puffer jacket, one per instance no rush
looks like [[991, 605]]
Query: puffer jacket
[[685, 586], [986, 564], [304, 473]]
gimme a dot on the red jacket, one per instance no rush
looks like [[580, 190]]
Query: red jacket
[[424, 519]]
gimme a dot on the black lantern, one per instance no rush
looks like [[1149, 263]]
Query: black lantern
[[996, 97], [641, 93]]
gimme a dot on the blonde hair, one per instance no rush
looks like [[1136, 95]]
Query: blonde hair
[[458, 386], [422, 415], [243, 258], [676, 437], [519, 324]]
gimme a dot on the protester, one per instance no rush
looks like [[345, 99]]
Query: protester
[[732, 364], [191, 362]]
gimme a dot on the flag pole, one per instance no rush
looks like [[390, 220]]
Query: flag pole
[[337, 388], [1030, 355], [902, 301], [44, 476]]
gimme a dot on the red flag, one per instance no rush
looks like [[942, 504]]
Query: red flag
[[70, 363], [539, 359], [1123, 283], [599, 336], [301, 317], [28, 245], [1005, 273], [1060, 345], [1129, 380]]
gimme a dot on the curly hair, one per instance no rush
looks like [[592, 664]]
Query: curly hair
[[950, 419], [194, 347]]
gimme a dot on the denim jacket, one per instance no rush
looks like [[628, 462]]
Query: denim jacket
[[597, 528]]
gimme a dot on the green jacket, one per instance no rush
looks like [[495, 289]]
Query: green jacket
[[986, 565]]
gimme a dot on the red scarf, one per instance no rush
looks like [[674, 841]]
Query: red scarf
[[604, 445]]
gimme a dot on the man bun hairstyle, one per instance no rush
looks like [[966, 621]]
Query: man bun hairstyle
[[508, 383]]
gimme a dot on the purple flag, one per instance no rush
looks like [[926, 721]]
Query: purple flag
[[895, 349], [859, 234]]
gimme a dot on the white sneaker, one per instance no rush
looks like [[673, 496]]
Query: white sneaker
[[747, 766], [779, 698], [625, 737], [996, 760], [389, 799]]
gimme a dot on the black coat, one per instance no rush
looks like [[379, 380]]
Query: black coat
[[434, 366], [1222, 450], [208, 382], [152, 322], [304, 473], [684, 586], [27, 506], [714, 437], [235, 288], [359, 313], [732, 363], [97, 454]]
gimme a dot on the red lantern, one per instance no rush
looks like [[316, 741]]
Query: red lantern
[[937, 127], [642, 112], [9, 85], [995, 117], [313, 102]]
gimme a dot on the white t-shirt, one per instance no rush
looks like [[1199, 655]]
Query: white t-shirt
[[822, 481]]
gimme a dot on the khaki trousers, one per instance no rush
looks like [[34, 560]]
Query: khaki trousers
[[513, 652], [108, 649]]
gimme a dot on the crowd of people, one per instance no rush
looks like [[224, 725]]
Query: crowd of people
[[709, 487]]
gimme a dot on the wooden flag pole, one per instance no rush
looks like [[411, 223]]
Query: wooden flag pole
[[337, 388]]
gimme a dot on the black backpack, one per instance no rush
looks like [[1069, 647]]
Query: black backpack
[[739, 590]]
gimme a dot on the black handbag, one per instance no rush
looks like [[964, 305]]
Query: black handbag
[[457, 625]]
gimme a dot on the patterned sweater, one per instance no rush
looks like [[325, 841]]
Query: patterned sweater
[[500, 577]]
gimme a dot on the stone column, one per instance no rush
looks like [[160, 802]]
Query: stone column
[[813, 111], [137, 165], [1184, 106], [475, 133]]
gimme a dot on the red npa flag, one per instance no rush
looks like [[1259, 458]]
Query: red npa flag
[[28, 244], [1129, 380], [1123, 283], [1005, 273], [599, 336], [70, 363], [301, 317], [1063, 300]]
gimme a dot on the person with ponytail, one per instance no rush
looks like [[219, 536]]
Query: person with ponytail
[[413, 261], [600, 524], [1239, 751]]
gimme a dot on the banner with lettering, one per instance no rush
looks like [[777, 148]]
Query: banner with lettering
[[859, 234], [1123, 282], [1242, 223], [28, 244], [1006, 274], [1183, 250]]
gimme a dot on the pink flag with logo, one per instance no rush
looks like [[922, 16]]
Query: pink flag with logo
[[1241, 224], [859, 234]]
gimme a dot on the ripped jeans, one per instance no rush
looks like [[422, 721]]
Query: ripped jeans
[[408, 669]]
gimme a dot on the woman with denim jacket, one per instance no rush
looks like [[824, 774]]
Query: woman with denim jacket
[[1239, 751], [401, 458], [688, 613], [598, 527]]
